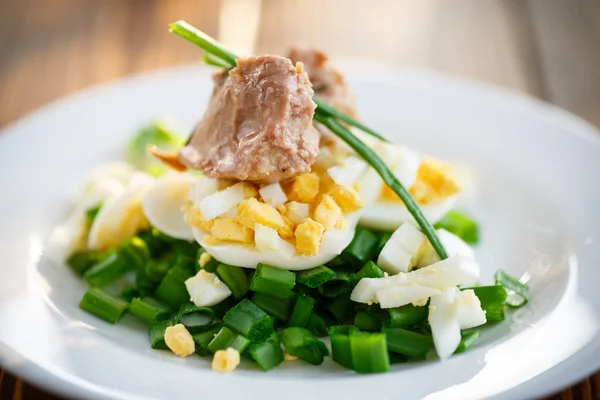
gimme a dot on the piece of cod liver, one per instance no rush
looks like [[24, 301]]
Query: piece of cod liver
[[258, 125]]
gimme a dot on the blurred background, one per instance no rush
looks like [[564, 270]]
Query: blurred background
[[549, 49]]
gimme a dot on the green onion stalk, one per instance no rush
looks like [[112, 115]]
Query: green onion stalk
[[328, 116]]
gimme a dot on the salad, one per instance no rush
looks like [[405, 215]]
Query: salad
[[282, 220]]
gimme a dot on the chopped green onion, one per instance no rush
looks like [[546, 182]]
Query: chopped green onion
[[172, 288], [388, 177], [517, 292], [195, 319], [301, 343], [149, 309], [409, 343], [210, 59], [91, 213], [156, 332], [202, 339], [227, 338], [279, 308], [81, 261], [396, 358], [273, 281], [134, 252], [369, 270], [315, 277], [156, 246], [130, 292], [384, 237], [337, 262], [235, 278], [408, 315], [361, 248], [224, 306], [467, 339], [340, 307], [492, 300], [210, 266], [302, 310], [186, 249], [157, 268], [367, 321], [339, 284], [316, 325], [333, 112], [144, 284], [460, 225], [103, 305], [340, 344], [267, 354], [250, 320], [369, 352], [203, 41], [106, 271], [155, 133]]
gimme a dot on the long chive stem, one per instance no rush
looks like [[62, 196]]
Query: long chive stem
[[202, 40]]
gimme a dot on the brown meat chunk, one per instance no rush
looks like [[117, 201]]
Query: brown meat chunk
[[328, 83], [258, 125]]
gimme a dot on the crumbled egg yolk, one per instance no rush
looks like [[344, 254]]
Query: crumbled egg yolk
[[193, 217], [204, 259], [251, 212], [179, 340], [347, 198], [288, 357], [294, 211], [226, 360], [434, 182], [308, 237], [420, 303], [230, 229], [328, 213], [304, 188]]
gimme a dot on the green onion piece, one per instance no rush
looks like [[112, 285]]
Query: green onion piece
[[517, 292], [202, 339], [301, 343], [337, 262], [333, 112], [302, 310], [409, 343], [156, 246], [203, 41], [227, 338], [361, 249], [460, 225], [408, 315], [91, 213], [184, 262], [134, 252], [195, 319], [103, 305], [172, 288], [384, 237], [369, 352], [316, 325], [278, 308], [267, 354], [273, 281], [492, 300], [250, 320], [388, 177], [367, 321], [210, 266], [235, 278], [339, 284], [340, 344], [129, 293], [186, 249], [81, 261], [369, 270], [315, 277], [156, 269], [396, 358], [144, 284], [222, 308], [149, 309], [106, 271], [154, 133], [210, 59], [156, 332], [466, 340], [340, 307]]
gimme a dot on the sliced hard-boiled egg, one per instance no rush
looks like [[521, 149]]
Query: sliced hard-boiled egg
[[366, 289], [206, 289], [396, 296], [222, 201], [452, 244], [121, 216], [268, 240], [273, 194], [453, 271], [67, 238], [164, 203], [402, 251], [443, 319], [202, 188], [468, 309], [248, 256], [349, 172]]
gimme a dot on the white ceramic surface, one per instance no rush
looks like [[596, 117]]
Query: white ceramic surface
[[536, 176]]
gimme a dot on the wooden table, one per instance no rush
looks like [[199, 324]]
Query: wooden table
[[549, 49]]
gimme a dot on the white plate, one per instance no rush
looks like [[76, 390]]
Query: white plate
[[536, 176]]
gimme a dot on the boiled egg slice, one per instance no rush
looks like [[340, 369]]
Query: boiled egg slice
[[443, 319], [164, 202]]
